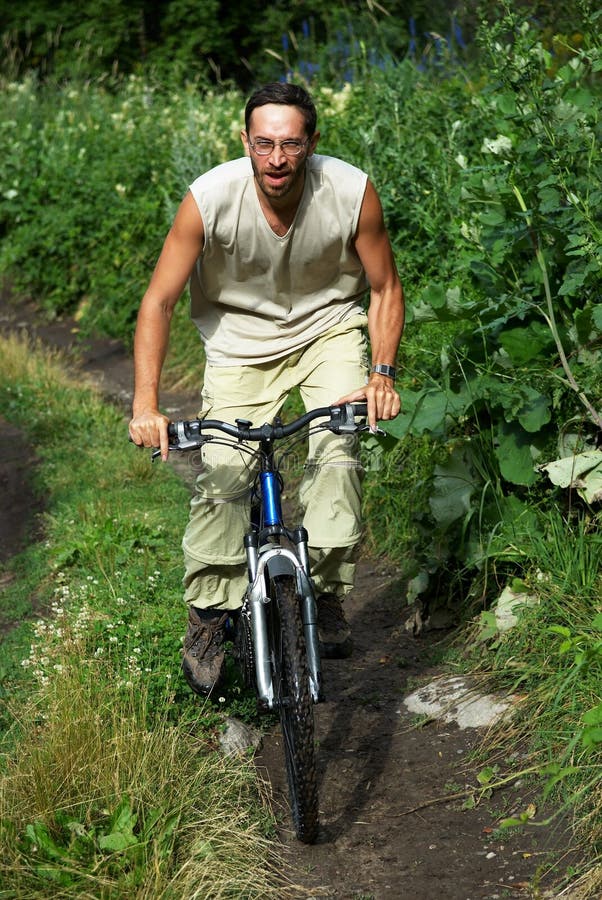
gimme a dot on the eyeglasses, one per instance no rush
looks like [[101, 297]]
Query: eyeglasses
[[263, 147]]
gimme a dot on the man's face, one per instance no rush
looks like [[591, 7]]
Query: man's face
[[277, 175]]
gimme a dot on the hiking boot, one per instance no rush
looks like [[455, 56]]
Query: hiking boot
[[203, 660], [334, 633]]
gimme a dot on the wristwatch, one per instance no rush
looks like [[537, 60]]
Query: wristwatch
[[381, 369]]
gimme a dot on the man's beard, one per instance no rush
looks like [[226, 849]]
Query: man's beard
[[289, 182]]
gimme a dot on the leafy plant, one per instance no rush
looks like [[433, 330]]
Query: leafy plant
[[523, 291]]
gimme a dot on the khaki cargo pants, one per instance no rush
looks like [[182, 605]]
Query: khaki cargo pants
[[330, 492]]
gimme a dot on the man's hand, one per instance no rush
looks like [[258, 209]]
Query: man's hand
[[381, 396], [149, 429]]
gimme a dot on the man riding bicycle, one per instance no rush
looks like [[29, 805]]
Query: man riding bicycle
[[280, 247]]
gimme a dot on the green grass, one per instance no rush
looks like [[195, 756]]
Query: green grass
[[110, 781], [552, 661], [102, 799]]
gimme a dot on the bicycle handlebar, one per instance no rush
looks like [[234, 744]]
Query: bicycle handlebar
[[188, 434]]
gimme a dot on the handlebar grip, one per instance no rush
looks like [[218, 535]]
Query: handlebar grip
[[359, 409]]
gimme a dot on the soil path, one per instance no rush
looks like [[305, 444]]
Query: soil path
[[392, 825]]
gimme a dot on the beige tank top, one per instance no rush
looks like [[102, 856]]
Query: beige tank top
[[256, 296]]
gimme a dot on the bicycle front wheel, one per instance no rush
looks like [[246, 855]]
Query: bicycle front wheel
[[295, 706]]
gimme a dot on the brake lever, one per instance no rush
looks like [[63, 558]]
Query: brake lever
[[157, 452], [376, 430], [184, 446]]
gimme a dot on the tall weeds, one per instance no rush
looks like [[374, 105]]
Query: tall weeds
[[111, 785], [100, 799]]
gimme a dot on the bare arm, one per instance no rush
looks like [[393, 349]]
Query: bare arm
[[181, 249], [386, 312]]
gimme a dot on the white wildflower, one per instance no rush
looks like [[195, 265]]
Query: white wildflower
[[341, 98], [499, 146]]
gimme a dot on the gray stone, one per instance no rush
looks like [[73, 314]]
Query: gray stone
[[455, 700], [238, 738], [509, 601]]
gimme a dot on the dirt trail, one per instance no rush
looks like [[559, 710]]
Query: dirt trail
[[388, 829], [391, 827]]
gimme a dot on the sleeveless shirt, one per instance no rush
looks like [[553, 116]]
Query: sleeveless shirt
[[256, 296]]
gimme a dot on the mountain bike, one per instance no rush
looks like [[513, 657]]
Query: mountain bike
[[276, 637]]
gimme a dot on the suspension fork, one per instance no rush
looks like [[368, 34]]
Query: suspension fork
[[263, 565], [257, 559], [309, 614]]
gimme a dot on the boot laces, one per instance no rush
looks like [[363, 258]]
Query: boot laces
[[205, 637]]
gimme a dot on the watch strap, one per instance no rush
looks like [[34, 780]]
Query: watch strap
[[382, 369]]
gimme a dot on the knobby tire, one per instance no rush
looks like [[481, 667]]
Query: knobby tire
[[295, 707]]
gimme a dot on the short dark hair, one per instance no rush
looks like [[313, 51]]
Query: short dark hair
[[287, 95]]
